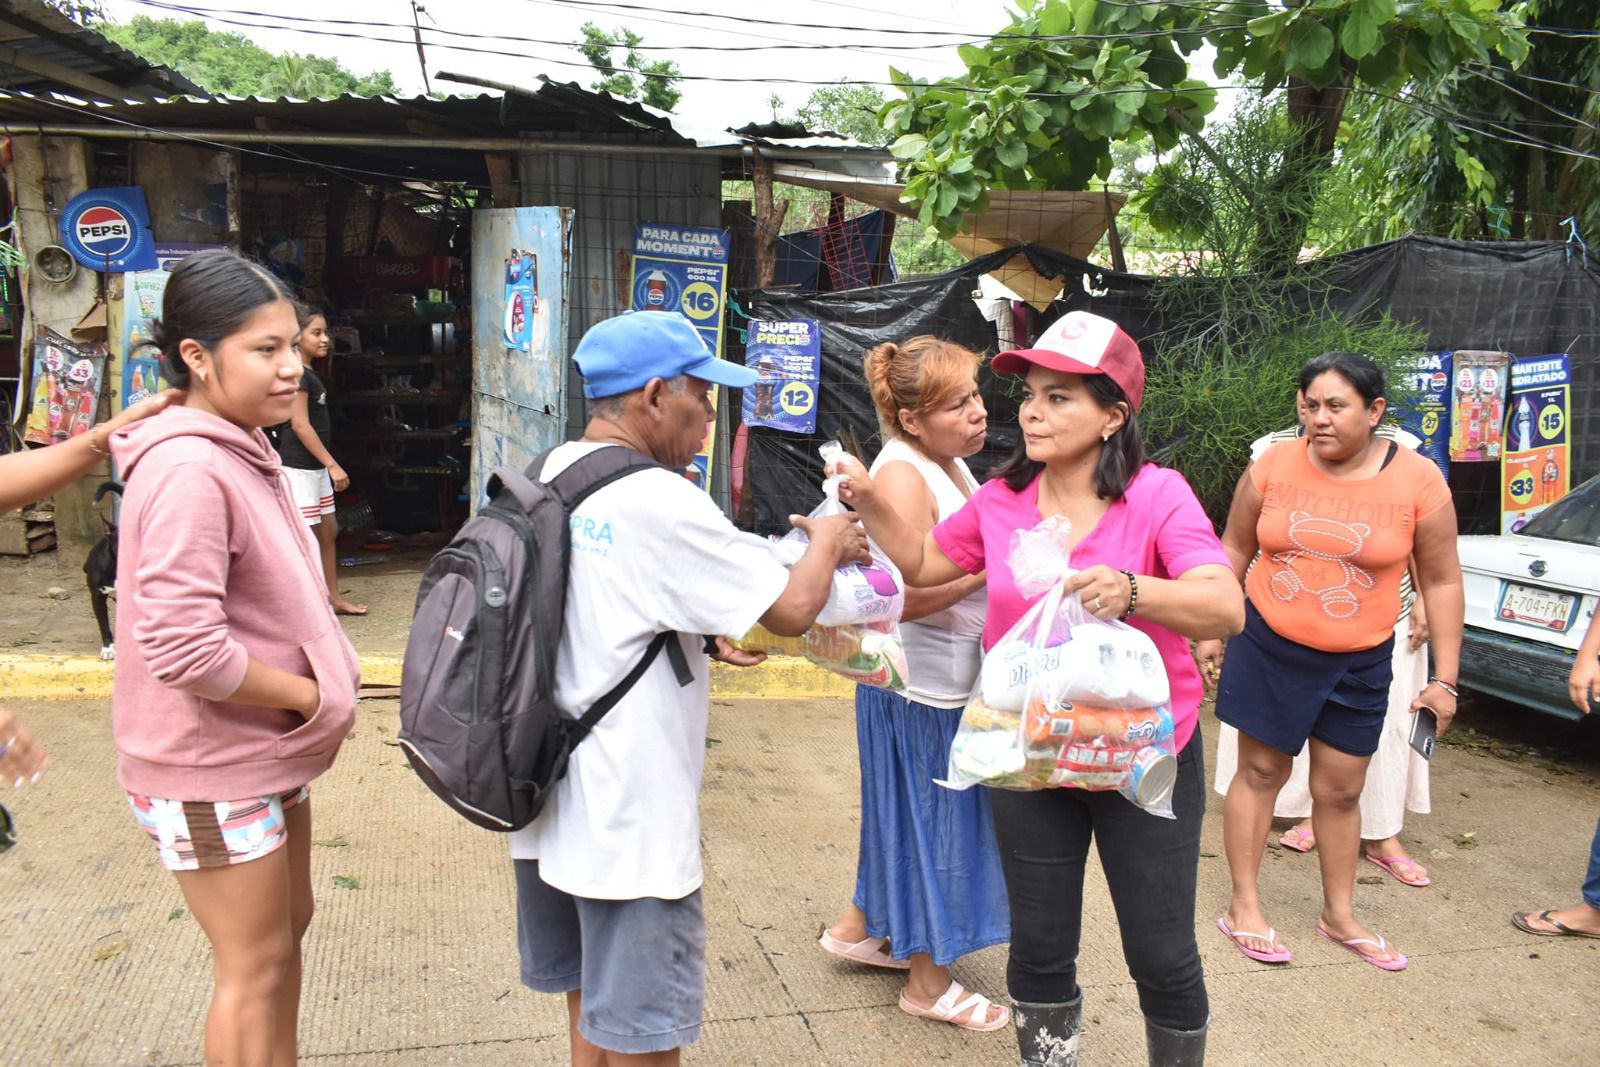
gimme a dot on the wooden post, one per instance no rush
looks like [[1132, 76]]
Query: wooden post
[[1118, 261], [502, 179], [769, 220], [46, 173]]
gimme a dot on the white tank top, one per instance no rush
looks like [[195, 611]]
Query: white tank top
[[943, 650]]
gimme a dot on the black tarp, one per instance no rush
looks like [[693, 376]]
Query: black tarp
[[1527, 298]]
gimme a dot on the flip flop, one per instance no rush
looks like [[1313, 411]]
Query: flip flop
[[1520, 921], [1298, 840], [1271, 936], [1395, 864], [1396, 964], [872, 951], [950, 1007]]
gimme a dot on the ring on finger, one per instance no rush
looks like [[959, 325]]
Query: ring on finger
[[1097, 602]]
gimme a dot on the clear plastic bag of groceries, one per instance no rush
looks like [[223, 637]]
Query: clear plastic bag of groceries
[[1067, 700], [857, 633]]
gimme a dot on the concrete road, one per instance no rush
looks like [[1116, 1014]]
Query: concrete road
[[417, 964]]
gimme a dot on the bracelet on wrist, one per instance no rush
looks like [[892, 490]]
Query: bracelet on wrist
[[1448, 687], [1133, 594], [96, 449]]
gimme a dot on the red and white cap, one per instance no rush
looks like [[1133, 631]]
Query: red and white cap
[[1081, 343]]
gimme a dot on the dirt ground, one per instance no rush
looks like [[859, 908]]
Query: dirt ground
[[33, 619], [412, 957]]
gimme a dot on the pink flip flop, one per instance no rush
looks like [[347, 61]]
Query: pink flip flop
[[1396, 864], [957, 1002], [1396, 964], [871, 951], [1280, 956], [1298, 840]]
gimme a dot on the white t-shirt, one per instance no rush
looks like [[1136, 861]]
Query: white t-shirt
[[650, 553]]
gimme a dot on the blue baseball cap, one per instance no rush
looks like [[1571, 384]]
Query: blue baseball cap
[[622, 354]]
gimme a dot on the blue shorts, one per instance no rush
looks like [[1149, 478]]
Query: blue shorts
[[1281, 693], [641, 964]]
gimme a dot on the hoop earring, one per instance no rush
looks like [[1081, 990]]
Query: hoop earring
[[1104, 438]]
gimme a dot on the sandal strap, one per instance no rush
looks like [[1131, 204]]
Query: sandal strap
[[950, 1005]]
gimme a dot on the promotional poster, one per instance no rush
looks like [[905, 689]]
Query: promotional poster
[[1477, 405], [1427, 413], [522, 300], [685, 269], [142, 291], [66, 387], [788, 357], [1537, 469]]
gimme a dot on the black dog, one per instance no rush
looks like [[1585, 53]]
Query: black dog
[[101, 569]]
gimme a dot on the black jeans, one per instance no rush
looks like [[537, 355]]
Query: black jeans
[[1150, 865]]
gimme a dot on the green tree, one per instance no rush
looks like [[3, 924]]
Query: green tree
[[230, 64], [1042, 102], [848, 110], [655, 83], [1481, 151]]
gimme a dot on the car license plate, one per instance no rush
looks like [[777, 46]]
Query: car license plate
[[1532, 606]]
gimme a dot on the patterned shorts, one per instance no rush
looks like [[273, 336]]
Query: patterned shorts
[[192, 834]]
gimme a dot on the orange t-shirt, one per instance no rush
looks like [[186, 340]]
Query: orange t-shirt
[[1333, 551]]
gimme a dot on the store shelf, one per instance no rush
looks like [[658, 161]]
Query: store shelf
[[360, 359], [380, 396], [387, 433], [375, 318]]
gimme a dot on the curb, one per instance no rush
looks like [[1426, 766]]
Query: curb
[[89, 678]]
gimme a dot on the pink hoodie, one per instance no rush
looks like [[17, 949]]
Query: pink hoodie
[[215, 567]]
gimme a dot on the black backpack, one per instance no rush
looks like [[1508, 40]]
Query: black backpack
[[478, 716]]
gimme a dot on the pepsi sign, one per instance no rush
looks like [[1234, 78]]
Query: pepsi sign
[[109, 230]]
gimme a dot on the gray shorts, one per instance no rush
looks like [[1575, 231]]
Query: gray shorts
[[641, 964]]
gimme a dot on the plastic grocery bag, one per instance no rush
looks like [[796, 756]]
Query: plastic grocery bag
[[1067, 700], [857, 633]]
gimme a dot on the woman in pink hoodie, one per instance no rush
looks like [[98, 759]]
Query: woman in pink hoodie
[[242, 684]]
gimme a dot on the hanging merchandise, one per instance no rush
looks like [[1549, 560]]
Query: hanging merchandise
[[66, 387], [1426, 413], [1477, 405], [1537, 469], [787, 356], [685, 269], [109, 230]]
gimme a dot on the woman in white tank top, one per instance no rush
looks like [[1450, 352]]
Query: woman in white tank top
[[929, 888]]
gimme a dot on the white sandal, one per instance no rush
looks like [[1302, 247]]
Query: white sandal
[[950, 1007]]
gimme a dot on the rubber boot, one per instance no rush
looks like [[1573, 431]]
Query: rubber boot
[[1175, 1048], [1047, 1034]]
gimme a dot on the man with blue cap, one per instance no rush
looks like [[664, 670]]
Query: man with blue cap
[[608, 876]]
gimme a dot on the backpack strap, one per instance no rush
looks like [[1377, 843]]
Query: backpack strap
[[578, 729], [514, 482], [593, 472]]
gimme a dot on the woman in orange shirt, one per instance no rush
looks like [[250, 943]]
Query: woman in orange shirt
[[1335, 515]]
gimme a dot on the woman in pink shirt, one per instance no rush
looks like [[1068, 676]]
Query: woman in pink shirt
[[1144, 552], [236, 684]]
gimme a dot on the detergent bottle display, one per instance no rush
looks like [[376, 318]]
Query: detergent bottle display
[[1066, 700]]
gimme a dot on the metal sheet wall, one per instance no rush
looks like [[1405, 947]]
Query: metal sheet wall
[[613, 193]]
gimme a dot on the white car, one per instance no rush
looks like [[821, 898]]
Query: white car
[[1531, 596]]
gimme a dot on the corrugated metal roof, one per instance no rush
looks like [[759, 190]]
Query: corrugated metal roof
[[43, 50]]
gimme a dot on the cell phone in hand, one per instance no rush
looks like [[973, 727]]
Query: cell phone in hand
[[1424, 732]]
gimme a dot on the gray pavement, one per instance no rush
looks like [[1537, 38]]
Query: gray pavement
[[417, 965]]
